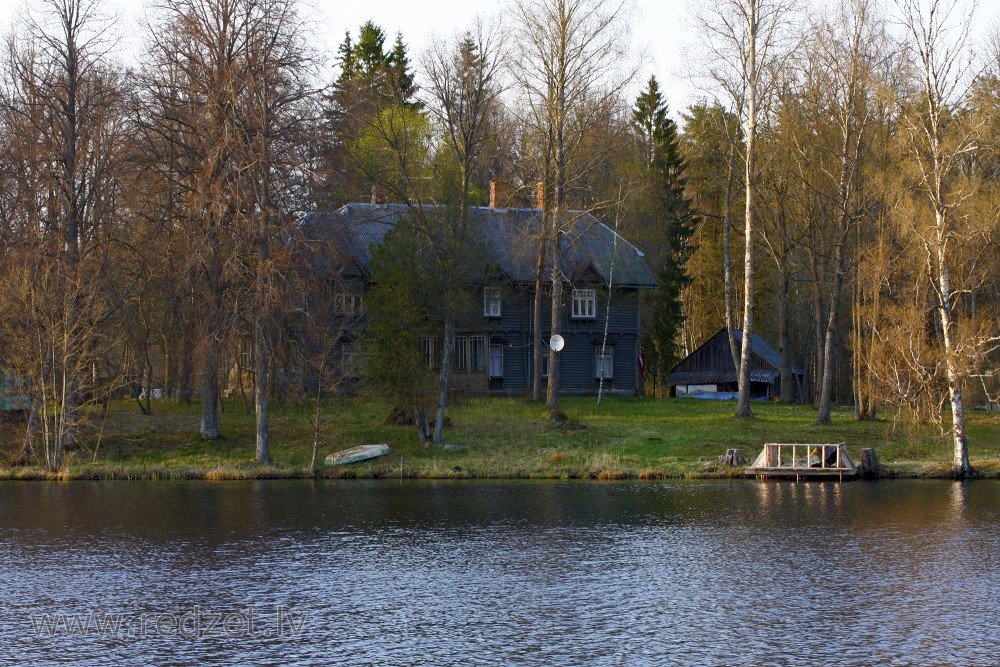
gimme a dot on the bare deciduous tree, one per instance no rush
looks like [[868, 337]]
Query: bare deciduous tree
[[852, 54], [63, 117], [193, 81], [747, 43], [225, 90], [463, 88], [571, 68], [274, 115], [937, 141]]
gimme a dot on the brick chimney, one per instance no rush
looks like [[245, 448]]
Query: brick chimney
[[541, 194], [378, 194]]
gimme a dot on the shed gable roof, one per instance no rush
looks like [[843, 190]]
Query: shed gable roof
[[759, 348]]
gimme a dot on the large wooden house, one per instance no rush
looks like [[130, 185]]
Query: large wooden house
[[709, 371], [493, 348]]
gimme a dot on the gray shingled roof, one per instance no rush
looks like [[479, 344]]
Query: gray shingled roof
[[510, 234], [765, 350]]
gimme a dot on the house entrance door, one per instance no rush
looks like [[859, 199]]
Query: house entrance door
[[496, 360]]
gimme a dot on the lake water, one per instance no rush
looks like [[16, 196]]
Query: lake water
[[500, 573]]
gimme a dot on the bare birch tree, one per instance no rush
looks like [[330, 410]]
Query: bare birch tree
[[570, 67], [937, 140], [63, 116], [852, 52], [747, 43], [274, 116]]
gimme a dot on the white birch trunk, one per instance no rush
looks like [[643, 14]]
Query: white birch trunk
[[959, 439], [743, 404]]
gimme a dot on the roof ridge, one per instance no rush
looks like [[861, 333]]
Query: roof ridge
[[502, 229]]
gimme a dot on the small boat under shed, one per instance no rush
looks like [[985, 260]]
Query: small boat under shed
[[798, 460]]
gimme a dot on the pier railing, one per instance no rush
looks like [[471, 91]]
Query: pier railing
[[782, 459]]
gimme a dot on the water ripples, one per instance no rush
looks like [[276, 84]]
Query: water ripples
[[463, 573]]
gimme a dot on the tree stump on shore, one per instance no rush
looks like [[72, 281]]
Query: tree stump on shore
[[558, 419], [399, 416], [733, 458], [870, 465]]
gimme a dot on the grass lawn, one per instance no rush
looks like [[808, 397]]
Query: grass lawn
[[623, 437]]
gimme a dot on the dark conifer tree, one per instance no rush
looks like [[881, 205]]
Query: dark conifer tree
[[401, 74], [370, 80], [345, 57], [667, 221]]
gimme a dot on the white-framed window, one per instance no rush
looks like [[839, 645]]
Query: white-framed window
[[461, 353], [477, 353], [347, 305], [545, 363], [496, 360], [584, 304], [427, 349], [491, 302], [604, 362]]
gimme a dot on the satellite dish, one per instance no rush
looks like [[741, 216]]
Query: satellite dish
[[557, 343]]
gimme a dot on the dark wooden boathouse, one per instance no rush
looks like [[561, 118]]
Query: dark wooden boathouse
[[709, 371]]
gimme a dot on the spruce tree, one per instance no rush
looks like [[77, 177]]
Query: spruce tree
[[370, 80], [401, 75], [345, 58], [667, 220]]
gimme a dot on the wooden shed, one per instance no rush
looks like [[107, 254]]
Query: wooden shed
[[709, 371]]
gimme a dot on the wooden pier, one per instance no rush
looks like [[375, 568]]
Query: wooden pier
[[799, 460]]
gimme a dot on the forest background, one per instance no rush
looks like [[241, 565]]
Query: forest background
[[832, 187]]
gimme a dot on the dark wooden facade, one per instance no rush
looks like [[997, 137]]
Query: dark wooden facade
[[494, 351]]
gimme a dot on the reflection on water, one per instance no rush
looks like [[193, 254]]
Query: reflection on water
[[686, 573]]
